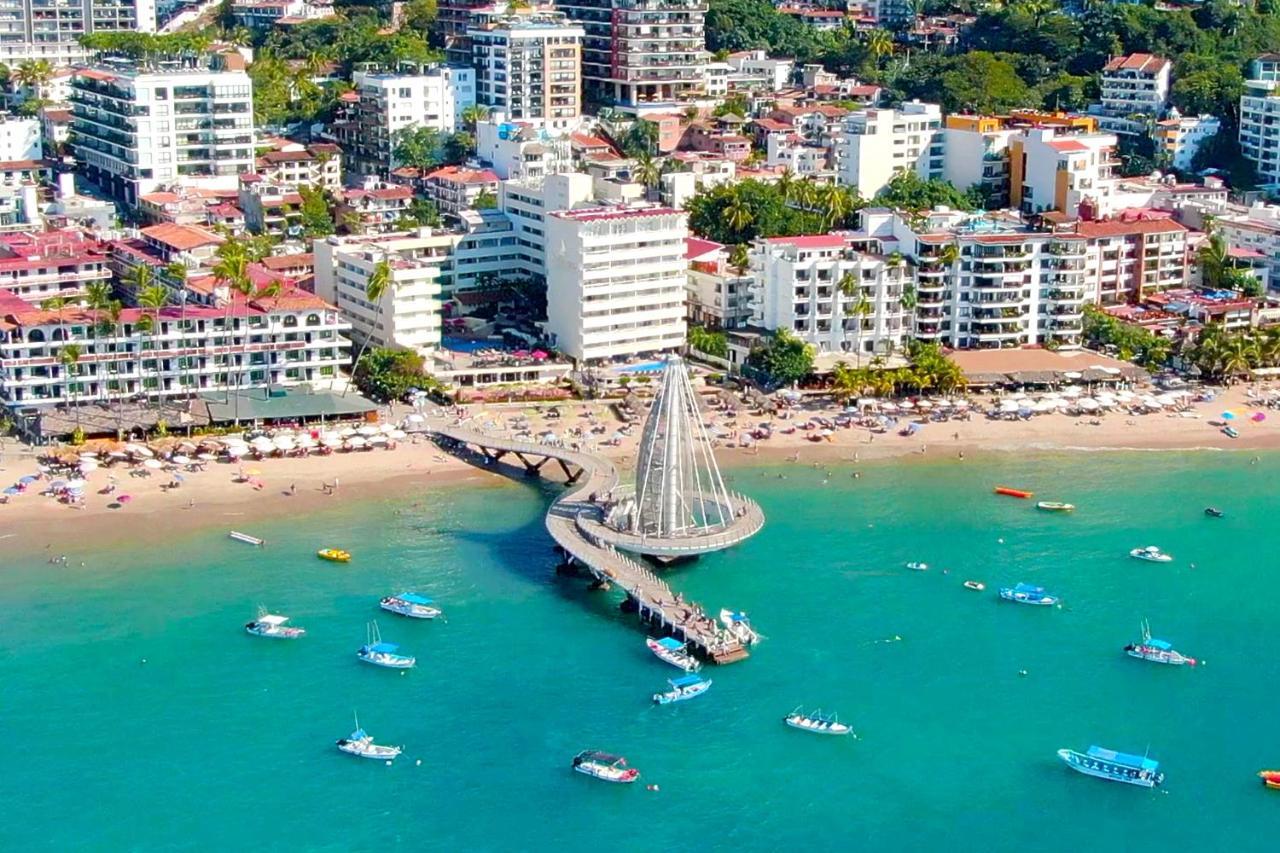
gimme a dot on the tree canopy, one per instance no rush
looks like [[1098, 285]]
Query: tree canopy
[[783, 359], [384, 374]]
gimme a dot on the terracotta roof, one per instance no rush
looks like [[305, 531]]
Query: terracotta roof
[[1117, 227], [456, 174], [771, 124], [276, 263], [1067, 145], [16, 165], [182, 237], [1144, 62]]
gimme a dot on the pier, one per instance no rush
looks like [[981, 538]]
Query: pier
[[576, 523]]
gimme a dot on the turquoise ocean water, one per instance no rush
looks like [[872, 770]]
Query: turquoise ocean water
[[222, 741]]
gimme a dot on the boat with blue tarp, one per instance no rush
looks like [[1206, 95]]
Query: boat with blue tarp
[[378, 653], [1157, 651], [1025, 593], [682, 688], [360, 744], [737, 623], [410, 604], [1114, 766], [673, 652]]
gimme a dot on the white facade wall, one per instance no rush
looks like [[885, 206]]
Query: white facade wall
[[530, 68], [877, 144], [974, 158], [616, 281], [37, 29], [435, 98], [528, 203], [20, 138], [1260, 128], [1087, 161]]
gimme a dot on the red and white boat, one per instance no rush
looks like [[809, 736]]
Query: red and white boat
[[602, 765]]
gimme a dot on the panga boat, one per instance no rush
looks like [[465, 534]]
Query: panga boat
[[673, 652], [1013, 493], [682, 688], [602, 765], [378, 653], [360, 743], [1213, 512], [1230, 432], [1114, 766], [918, 567], [1151, 554], [1156, 651], [817, 722], [978, 585], [739, 626], [246, 538], [1025, 593], [273, 626], [1055, 506], [1270, 778], [410, 604], [334, 555]]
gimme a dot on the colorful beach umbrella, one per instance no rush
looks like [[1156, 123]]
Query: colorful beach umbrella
[[1258, 416], [1228, 416]]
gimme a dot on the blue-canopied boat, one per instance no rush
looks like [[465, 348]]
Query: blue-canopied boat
[[1025, 593], [1114, 766], [410, 604], [673, 652], [1157, 651], [378, 653], [682, 688]]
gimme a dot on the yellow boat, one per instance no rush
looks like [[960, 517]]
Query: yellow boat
[[334, 555]]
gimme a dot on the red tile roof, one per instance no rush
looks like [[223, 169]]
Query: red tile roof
[[696, 247], [1144, 62], [1118, 228], [1067, 145], [602, 214], [182, 237], [810, 241], [456, 174]]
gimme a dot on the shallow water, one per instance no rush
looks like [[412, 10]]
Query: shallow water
[[221, 740]]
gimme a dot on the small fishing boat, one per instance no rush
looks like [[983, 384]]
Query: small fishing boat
[[334, 555], [410, 604], [978, 585], [246, 538], [673, 652], [360, 744], [273, 626], [1114, 766], [1151, 554], [602, 765], [739, 626], [1213, 512], [1013, 493], [1055, 506], [1230, 432], [682, 688], [918, 567], [1270, 778], [378, 653], [817, 722], [1156, 651], [1025, 593]]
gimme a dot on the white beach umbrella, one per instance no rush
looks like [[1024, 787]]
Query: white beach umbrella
[[284, 442], [1044, 406], [356, 442], [398, 434], [88, 465], [153, 463], [347, 432], [924, 404], [1009, 406], [138, 450], [386, 428], [889, 405], [367, 431], [1089, 404], [1073, 391], [182, 460], [206, 457], [378, 439], [416, 419], [261, 442], [75, 484], [906, 404], [306, 441], [235, 451]]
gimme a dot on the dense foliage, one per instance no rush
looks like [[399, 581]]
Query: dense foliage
[[782, 359], [740, 212], [929, 371], [908, 191], [1133, 342], [384, 374], [706, 341]]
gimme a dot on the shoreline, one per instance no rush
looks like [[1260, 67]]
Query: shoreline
[[214, 499]]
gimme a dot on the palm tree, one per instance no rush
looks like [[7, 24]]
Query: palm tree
[[69, 358], [738, 215], [806, 194], [1213, 257], [836, 205], [861, 309], [152, 299], [473, 115], [375, 287], [786, 184], [139, 278], [740, 259], [950, 254], [1238, 356], [848, 284], [647, 172], [880, 44], [34, 74]]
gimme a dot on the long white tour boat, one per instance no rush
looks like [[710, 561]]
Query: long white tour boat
[[273, 626], [360, 744], [410, 604], [673, 652], [603, 765]]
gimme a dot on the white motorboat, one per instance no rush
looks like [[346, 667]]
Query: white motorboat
[[1151, 554], [739, 626], [410, 604], [673, 652], [360, 744], [602, 765], [817, 723], [273, 626], [682, 688], [918, 567], [378, 653]]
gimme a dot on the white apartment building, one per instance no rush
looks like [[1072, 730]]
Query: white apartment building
[[831, 294], [528, 204], [719, 295], [1178, 138], [877, 144], [20, 138], [136, 129], [1260, 118], [1134, 85], [435, 96], [294, 165], [755, 69], [616, 280], [41, 29], [1257, 229], [522, 151], [804, 159], [528, 66], [410, 312], [976, 153], [1128, 259], [288, 339], [1048, 171]]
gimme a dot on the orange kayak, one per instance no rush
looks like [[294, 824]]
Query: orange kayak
[[1013, 493]]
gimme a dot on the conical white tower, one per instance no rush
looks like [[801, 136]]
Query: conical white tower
[[679, 491]]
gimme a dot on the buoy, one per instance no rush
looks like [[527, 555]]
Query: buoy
[[388, 762], [418, 763], [1022, 672], [652, 787], [144, 660], [1000, 540]]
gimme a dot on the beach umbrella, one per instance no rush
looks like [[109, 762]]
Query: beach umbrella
[[1073, 391], [182, 460], [13, 490], [356, 442], [75, 484], [284, 442], [924, 404], [367, 431], [27, 480], [1228, 416], [387, 428], [398, 434], [906, 404], [347, 432], [235, 451], [1045, 406], [306, 441], [88, 465], [379, 439], [206, 457], [124, 499], [1258, 417], [416, 419], [153, 464]]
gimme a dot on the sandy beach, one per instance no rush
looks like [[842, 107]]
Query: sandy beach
[[217, 497]]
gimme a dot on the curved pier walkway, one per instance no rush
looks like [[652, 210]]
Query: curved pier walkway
[[574, 519]]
